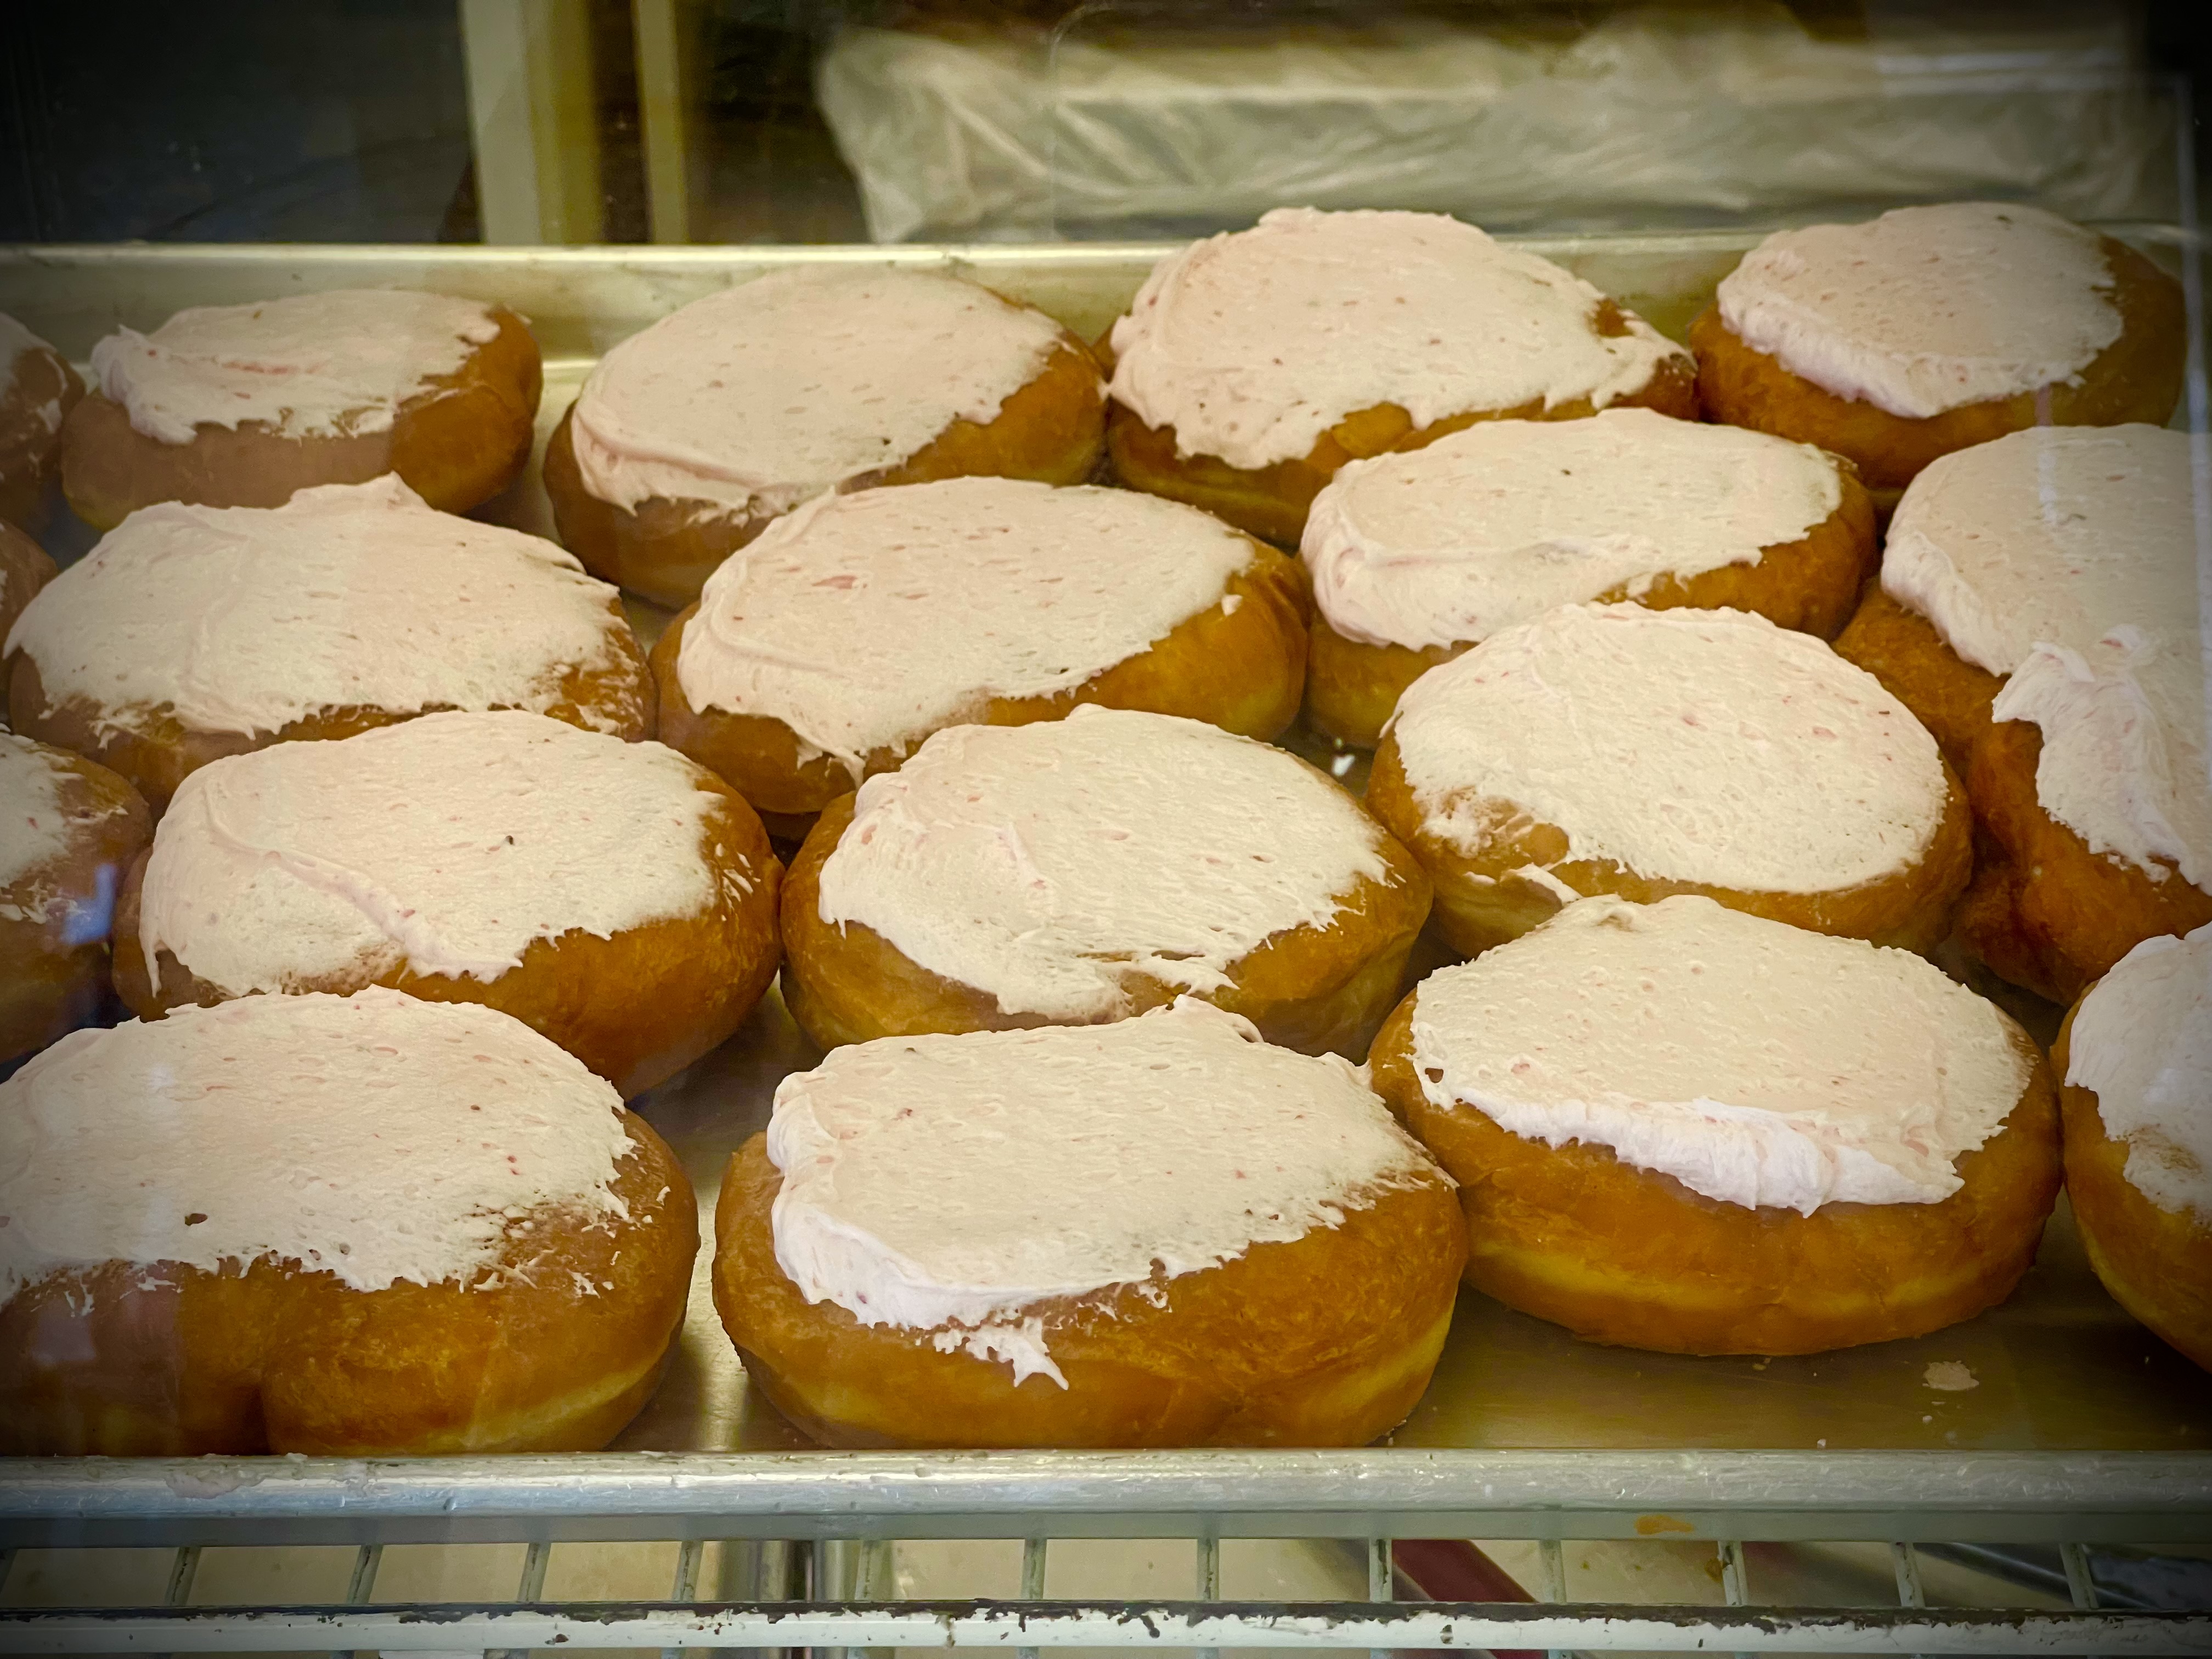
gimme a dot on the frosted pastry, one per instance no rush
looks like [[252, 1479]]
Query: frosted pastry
[[2091, 788], [38, 389], [2053, 536], [1157, 1232], [1612, 749], [1252, 365], [1415, 557], [2136, 1057], [615, 896], [69, 830], [2039, 609], [1681, 1127], [1088, 869], [245, 405], [191, 633], [826, 650], [1932, 329], [366, 1227], [692, 437]]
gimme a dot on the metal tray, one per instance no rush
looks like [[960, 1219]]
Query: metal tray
[[2078, 1426], [2058, 1367]]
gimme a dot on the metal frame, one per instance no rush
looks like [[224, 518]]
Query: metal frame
[[847, 1505], [1479, 1625], [2014, 1498]]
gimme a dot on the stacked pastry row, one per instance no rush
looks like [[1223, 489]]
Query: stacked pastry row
[[918, 1251]]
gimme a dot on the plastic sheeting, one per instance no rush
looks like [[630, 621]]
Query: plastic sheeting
[[1648, 118]]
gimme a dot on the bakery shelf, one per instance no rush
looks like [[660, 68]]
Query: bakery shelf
[[2052, 1421]]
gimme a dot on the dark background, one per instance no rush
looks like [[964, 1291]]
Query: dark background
[[347, 120]]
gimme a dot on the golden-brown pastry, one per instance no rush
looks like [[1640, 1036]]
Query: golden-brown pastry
[[1932, 329], [191, 633], [2038, 609], [1252, 366], [24, 568], [1157, 1232], [692, 438], [1900, 647], [828, 648], [2135, 1058], [1614, 749], [38, 389], [365, 1226], [68, 831], [2056, 533], [613, 896], [245, 405], [1156, 857], [1416, 557], [1677, 1127], [2054, 905]]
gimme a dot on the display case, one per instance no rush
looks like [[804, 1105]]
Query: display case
[[2051, 1446]]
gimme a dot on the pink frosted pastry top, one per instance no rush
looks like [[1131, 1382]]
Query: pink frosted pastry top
[[14, 341], [375, 1137], [947, 1183], [1253, 343], [315, 365], [2067, 558], [1500, 522], [865, 621], [1755, 1062], [245, 619], [1927, 309], [753, 400], [36, 828], [2142, 1040], [2053, 535], [1707, 746], [448, 844], [1043, 864], [2123, 762], [33, 829]]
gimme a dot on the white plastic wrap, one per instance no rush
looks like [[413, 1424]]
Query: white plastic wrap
[[1648, 118]]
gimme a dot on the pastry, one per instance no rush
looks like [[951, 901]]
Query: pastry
[[692, 438], [1252, 365], [1159, 1232], [1415, 557], [2056, 533], [2095, 803], [245, 405], [365, 1226], [38, 389], [2136, 1055], [613, 896], [828, 649], [1932, 329], [2048, 581], [192, 633], [1681, 1127], [24, 568], [1089, 869], [68, 831], [1610, 749]]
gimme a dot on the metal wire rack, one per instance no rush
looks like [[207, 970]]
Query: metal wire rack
[[812, 1536]]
